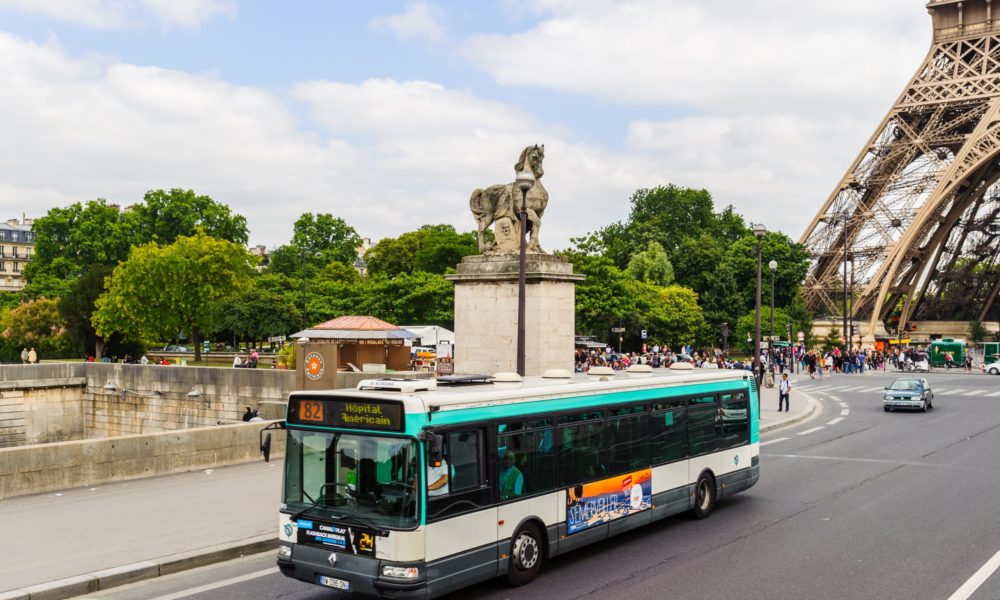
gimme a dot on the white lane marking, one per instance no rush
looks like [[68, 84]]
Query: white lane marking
[[835, 421], [957, 392], [834, 388], [973, 393], [843, 404], [774, 441], [969, 587], [845, 412], [873, 389], [993, 394], [879, 461], [218, 584], [851, 389], [808, 431]]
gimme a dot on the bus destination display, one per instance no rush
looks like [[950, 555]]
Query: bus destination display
[[352, 414]]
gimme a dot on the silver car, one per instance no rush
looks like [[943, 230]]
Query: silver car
[[908, 393]]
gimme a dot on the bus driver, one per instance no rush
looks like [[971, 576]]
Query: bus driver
[[437, 479]]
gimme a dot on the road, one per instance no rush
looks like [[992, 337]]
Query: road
[[854, 503]]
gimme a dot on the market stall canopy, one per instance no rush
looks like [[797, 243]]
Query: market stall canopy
[[355, 328], [431, 335]]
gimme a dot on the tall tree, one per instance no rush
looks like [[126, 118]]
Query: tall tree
[[325, 238], [163, 216], [161, 290], [34, 324], [257, 315], [651, 266]]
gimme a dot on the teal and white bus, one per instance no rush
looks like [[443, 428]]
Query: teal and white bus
[[417, 488]]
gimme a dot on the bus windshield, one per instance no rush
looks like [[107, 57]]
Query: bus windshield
[[337, 475]]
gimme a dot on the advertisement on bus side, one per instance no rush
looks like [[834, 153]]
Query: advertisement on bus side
[[604, 501]]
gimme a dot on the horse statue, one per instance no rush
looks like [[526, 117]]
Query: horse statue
[[500, 206]]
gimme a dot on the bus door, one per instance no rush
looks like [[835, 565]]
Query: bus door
[[461, 515]]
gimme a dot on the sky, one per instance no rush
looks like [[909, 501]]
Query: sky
[[389, 114]]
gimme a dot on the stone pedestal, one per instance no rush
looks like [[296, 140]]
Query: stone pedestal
[[486, 290]]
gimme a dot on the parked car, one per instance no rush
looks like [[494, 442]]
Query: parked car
[[174, 349], [908, 393], [993, 368]]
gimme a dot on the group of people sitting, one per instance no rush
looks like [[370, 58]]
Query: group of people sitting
[[249, 363]]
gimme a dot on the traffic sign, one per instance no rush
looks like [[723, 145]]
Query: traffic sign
[[643, 334], [771, 338], [802, 336], [617, 330]]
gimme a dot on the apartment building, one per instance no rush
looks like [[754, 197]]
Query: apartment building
[[17, 246]]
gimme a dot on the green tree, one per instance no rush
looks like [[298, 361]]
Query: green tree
[[34, 324], [164, 216], [832, 340], [792, 259], [161, 290], [432, 249], [411, 299], [325, 238], [977, 332], [605, 298], [746, 326], [77, 304], [651, 266], [257, 315], [70, 239], [676, 319]]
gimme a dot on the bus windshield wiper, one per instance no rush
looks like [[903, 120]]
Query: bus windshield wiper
[[364, 523], [314, 503]]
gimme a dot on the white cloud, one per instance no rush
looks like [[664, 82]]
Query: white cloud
[[775, 97], [764, 134], [113, 14], [420, 21]]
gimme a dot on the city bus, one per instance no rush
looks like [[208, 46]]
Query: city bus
[[406, 488]]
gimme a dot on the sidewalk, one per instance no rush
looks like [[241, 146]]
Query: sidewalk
[[801, 405], [61, 544]]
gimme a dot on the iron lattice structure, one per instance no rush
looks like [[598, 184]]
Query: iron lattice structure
[[918, 213]]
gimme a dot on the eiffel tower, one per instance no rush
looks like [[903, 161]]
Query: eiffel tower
[[917, 216]]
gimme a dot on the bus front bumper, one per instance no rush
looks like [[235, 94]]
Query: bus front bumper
[[361, 574]]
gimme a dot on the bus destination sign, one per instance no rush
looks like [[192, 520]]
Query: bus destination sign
[[347, 413]]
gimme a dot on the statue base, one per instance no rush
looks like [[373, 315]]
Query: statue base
[[486, 295]]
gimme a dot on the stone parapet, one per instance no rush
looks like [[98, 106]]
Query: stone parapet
[[494, 268]]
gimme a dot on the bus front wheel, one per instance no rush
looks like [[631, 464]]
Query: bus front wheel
[[704, 496], [525, 555]]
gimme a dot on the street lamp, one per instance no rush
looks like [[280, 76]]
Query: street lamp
[[758, 232], [845, 217], [773, 266], [524, 182]]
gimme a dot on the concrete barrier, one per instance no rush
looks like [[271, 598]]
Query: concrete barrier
[[47, 467]]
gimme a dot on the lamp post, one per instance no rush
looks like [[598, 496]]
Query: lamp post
[[758, 232], [773, 266], [524, 182], [845, 217]]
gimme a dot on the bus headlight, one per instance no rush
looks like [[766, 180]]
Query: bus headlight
[[284, 551], [401, 572]]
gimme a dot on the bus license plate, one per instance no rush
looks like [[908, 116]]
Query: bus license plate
[[340, 584]]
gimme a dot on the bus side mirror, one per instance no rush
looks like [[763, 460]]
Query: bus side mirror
[[265, 448], [435, 448]]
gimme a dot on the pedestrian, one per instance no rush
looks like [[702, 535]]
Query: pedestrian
[[32, 357], [237, 363], [24, 356], [247, 415], [144, 360], [783, 390]]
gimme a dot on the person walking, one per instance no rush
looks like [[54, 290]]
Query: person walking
[[32, 357], [784, 388], [24, 356]]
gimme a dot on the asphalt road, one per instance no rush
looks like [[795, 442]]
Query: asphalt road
[[853, 503]]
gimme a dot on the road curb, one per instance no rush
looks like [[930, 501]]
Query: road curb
[[807, 414], [104, 579]]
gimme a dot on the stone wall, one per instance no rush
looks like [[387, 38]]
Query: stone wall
[[149, 398], [36, 469], [41, 403]]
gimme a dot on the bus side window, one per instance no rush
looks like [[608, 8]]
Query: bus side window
[[462, 448], [735, 420], [527, 464], [581, 452], [668, 431]]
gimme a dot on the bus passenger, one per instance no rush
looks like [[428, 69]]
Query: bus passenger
[[437, 479], [511, 479]]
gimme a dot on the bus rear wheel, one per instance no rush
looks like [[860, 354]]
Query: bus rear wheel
[[704, 496], [525, 555]]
